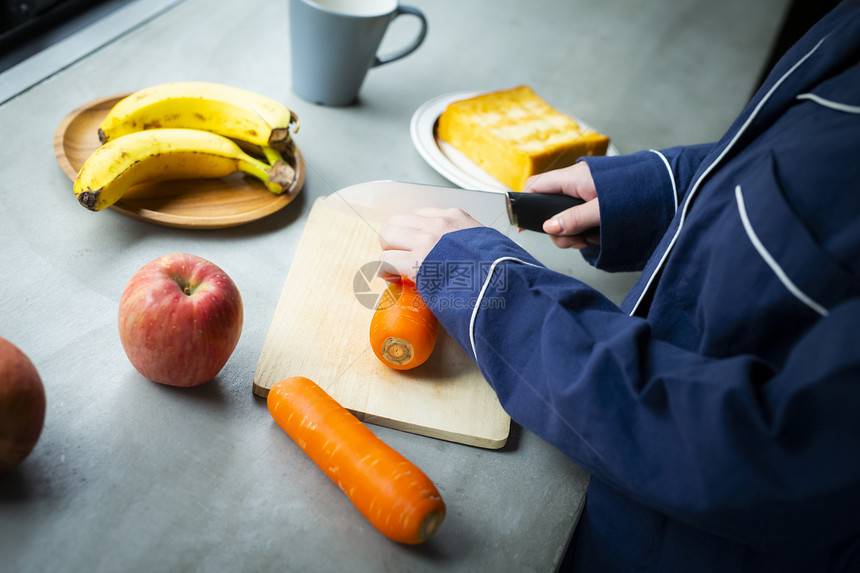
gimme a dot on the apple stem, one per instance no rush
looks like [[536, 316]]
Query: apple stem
[[185, 286]]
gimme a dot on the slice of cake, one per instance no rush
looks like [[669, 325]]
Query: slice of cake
[[513, 134]]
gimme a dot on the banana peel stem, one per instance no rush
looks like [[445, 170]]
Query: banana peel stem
[[282, 175], [275, 177], [272, 154], [90, 199], [279, 134]]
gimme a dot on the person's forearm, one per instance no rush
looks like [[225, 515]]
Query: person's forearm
[[671, 428]]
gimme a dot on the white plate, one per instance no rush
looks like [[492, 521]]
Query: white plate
[[447, 161]]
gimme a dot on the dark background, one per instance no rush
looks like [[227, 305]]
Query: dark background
[[29, 26]]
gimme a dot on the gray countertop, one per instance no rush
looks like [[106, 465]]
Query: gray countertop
[[134, 476]]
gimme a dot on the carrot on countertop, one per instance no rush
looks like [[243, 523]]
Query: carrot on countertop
[[403, 330], [392, 493]]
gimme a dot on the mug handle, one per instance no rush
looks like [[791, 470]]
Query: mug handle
[[378, 61]]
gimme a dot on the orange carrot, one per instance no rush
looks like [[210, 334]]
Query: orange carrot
[[403, 330], [393, 494]]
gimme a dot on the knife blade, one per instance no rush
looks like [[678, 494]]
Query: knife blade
[[378, 201]]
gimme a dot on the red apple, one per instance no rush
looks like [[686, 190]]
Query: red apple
[[180, 318], [22, 406]]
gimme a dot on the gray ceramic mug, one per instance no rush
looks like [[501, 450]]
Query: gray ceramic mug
[[334, 44]]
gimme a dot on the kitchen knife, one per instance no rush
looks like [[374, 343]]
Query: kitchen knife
[[377, 201]]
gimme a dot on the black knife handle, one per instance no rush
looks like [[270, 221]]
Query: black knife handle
[[530, 210]]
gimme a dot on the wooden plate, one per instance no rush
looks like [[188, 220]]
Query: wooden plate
[[190, 204]]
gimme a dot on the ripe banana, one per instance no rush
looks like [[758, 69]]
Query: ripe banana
[[225, 110], [162, 154]]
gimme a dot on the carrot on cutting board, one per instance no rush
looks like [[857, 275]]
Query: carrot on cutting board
[[392, 493], [403, 330]]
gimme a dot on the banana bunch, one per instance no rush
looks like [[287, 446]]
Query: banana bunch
[[163, 154], [187, 130], [225, 110]]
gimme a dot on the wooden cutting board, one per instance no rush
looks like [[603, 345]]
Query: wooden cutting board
[[320, 330]]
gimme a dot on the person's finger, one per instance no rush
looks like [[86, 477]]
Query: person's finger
[[575, 181], [549, 181], [569, 242], [396, 264], [399, 237], [407, 220], [437, 212], [443, 220], [575, 220]]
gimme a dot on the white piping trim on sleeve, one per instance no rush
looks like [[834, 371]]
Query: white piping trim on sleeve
[[695, 188], [838, 106], [671, 176], [481, 296], [771, 262]]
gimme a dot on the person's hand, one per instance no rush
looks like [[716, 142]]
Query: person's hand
[[578, 226], [407, 239]]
